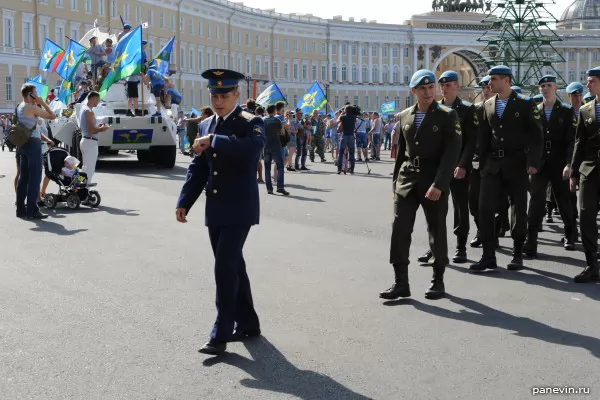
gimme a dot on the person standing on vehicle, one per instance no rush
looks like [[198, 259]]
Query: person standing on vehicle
[[30, 154], [89, 135]]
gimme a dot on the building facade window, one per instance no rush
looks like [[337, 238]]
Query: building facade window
[[88, 6], [257, 67], [305, 46], [126, 11], [354, 73], [344, 72], [286, 44], [191, 60], [172, 22], [295, 45], [324, 72], [162, 20], [385, 74], [333, 48], [304, 72], [257, 42], [295, 72], [336, 102], [248, 67], [365, 74], [367, 101], [323, 48], [314, 73], [375, 74], [276, 69], [314, 47], [27, 35], [356, 100], [385, 51], [9, 88], [74, 4], [363, 51], [59, 3], [276, 44], [266, 69], [286, 71], [408, 101], [138, 14]]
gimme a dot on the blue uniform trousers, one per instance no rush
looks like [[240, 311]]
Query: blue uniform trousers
[[234, 297]]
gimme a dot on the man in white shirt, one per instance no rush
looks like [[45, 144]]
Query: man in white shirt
[[89, 135]]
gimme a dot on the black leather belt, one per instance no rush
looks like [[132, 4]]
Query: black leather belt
[[501, 153], [91, 138]]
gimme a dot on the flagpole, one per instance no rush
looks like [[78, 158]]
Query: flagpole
[[142, 77]]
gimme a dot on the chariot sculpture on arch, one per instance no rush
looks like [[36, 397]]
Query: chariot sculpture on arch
[[461, 5]]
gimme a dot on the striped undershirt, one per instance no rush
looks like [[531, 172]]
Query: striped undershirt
[[577, 114], [419, 118], [500, 106], [597, 112], [548, 112]]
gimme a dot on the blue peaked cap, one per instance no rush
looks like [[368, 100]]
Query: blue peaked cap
[[575, 88], [594, 72], [422, 77], [448, 76], [222, 80], [547, 79]]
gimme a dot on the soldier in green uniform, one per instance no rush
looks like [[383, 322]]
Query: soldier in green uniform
[[558, 121], [510, 145], [429, 147], [585, 176], [318, 141], [459, 187], [475, 178]]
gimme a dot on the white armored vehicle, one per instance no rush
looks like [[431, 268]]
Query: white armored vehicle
[[154, 138]]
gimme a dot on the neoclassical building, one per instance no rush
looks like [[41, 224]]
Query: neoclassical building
[[359, 61]]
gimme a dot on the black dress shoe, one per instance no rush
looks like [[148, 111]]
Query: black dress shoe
[[516, 264], [436, 290], [476, 242], [395, 292], [460, 256], [587, 276], [569, 245], [283, 192], [241, 334], [21, 214], [304, 169], [269, 191], [37, 215], [425, 257], [483, 264], [213, 348]]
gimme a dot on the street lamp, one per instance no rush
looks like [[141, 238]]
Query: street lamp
[[248, 79], [326, 84]]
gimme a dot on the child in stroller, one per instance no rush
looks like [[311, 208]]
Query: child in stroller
[[73, 188]]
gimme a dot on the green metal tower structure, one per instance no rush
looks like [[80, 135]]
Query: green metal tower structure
[[521, 38]]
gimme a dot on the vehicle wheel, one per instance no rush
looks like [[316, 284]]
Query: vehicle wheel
[[143, 156], [165, 156], [94, 199], [73, 201], [50, 200]]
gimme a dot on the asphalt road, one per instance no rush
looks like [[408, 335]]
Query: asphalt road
[[114, 303]]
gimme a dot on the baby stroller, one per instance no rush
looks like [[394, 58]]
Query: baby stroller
[[72, 191]]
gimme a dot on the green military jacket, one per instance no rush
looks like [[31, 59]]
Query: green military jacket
[[587, 142], [559, 135], [427, 156], [469, 123], [513, 141]]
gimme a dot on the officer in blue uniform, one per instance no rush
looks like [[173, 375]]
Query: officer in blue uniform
[[227, 152]]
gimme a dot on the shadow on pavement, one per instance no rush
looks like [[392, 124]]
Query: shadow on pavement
[[313, 199], [547, 279], [271, 371], [53, 227], [480, 314], [136, 168], [302, 187], [63, 211]]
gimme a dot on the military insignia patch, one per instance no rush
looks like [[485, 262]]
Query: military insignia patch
[[219, 83], [475, 120], [257, 129], [435, 128], [218, 73], [407, 127], [536, 113], [517, 115], [589, 121], [575, 122], [458, 129]]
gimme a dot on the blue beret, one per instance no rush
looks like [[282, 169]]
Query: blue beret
[[575, 88], [422, 77], [448, 76], [594, 72], [517, 89], [222, 80], [127, 26], [588, 95], [144, 42], [538, 98], [547, 79], [484, 81], [500, 70]]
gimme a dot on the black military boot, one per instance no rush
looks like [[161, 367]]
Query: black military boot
[[530, 247], [400, 288], [516, 263], [488, 260], [549, 209], [460, 256], [591, 273], [425, 258], [436, 290], [476, 242], [569, 239]]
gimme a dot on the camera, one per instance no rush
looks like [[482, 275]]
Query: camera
[[354, 110]]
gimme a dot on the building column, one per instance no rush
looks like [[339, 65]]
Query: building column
[[427, 57], [402, 64], [329, 59], [339, 66], [578, 72], [391, 65], [589, 57], [359, 55], [380, 62], [414, 60], [370, 52], [349, 72], [566, 71]]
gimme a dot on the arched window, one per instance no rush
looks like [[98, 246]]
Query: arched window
[[354, 73], [365, 74], [375, 74], [344, 72], [396, 74], [385, 74], [407, 74], [334, 72]]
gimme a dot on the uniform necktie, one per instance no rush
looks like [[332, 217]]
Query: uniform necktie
[[219, 123]]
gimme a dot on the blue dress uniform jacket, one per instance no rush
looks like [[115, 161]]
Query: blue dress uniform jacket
[[228, 171]]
